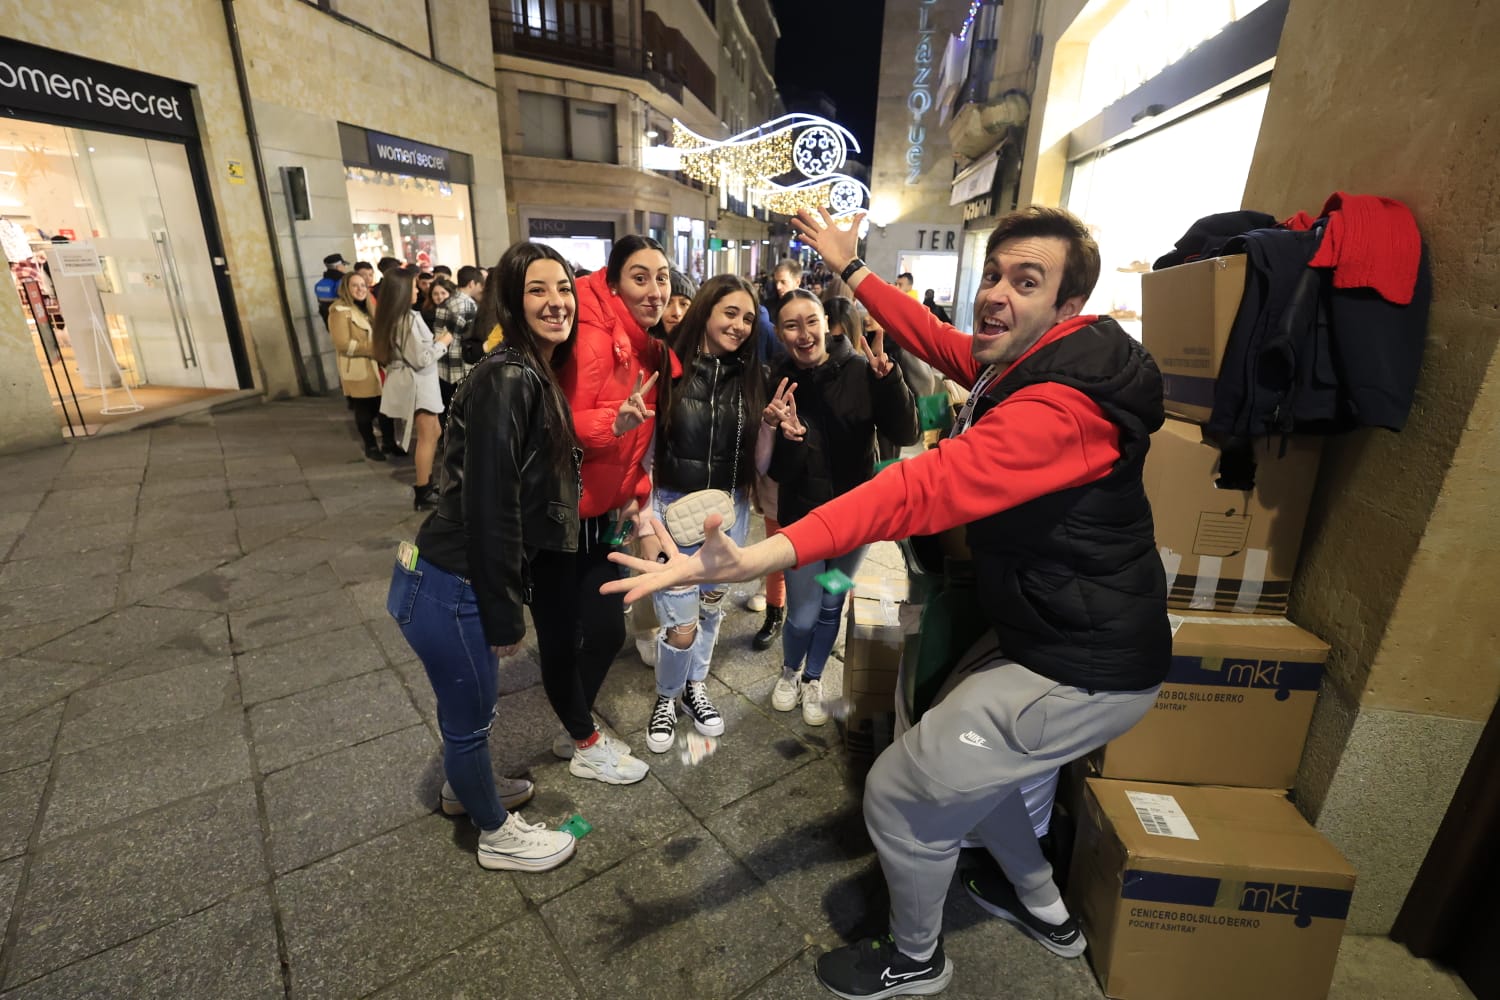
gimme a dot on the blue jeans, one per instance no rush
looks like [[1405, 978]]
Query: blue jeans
[[812, 614], [699, 606], [439, 617]]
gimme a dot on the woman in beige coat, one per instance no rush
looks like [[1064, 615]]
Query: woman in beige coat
[[350, 325]]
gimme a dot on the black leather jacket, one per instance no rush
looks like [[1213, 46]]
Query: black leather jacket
[[709, 420], [502, 496]]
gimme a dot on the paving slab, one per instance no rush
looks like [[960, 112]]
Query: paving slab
[[683, 919], [120, 637], [20, 798], [521, 953], [294, 617], [325, 805], [27, 685], [89, 893], [80, 535], [306, 725], [421, 895], [122, 708], [120, 779], [208, 642], [227, 952], [29, 739], [307, 662], [20, 575]]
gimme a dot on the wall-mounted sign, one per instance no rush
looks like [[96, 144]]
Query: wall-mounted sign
[[919, 99], [236, 170], [570, 228], [59, 83], [407, 156], [74, 260]]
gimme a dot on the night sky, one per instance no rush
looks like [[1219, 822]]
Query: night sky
[[833, 46]]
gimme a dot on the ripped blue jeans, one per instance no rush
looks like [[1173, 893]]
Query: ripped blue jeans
[[439, 616], [686, 607]]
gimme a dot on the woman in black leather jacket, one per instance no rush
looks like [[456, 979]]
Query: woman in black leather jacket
[[705, 440], [507, 498]]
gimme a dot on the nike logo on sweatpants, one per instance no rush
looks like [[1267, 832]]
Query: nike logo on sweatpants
[[973, 739]]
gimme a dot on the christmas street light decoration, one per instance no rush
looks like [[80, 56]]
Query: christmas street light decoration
[[793, 144]]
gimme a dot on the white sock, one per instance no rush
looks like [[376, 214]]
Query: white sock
[[1045, 903], [914, 956]]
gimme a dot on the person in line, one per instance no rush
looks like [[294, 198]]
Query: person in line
[[409, 353], [383, 266], [611, 385], [826, 448], [929, 299], [366, 270], [439, 292], [508, 500], [349, 324], [455, 315], [906, 282], [326, 291], [705, 440], [1043, 468]]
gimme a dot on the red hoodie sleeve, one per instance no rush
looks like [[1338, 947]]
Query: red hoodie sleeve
[[1042, 439], [917, 330]]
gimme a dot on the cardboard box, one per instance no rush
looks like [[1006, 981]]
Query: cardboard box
[[1234, 709], [1186, 893], [1228, 550], [1186, 314], [874, 637]]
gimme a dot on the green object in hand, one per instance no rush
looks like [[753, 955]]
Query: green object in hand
[[835, 581], [620, 532], [577, 826]]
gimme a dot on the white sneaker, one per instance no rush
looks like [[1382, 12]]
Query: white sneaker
[[812, 703], [514, 793], [520, 847], [608, 761], [756, 603], [784, 694], [646, 647], [563, 746], [662, 729]]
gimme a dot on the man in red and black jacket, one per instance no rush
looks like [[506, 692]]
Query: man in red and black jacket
[[1043, 467]]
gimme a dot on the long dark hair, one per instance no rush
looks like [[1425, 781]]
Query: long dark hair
[[687, 343], [502, 304], [845, 315], [625, 247], [392, 313]]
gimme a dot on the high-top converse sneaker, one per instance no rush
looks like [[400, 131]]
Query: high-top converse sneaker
[[662, 728], [705, 717]]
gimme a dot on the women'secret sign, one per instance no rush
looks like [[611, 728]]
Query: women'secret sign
[[405, 156], [59, 83]]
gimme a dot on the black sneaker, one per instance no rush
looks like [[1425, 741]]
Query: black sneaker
[[988, 886], [695, 702], [876, 968]]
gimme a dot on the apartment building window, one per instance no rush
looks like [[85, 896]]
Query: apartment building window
[[567, 129]]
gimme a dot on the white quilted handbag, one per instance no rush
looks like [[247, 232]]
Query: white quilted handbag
[[684, 516]]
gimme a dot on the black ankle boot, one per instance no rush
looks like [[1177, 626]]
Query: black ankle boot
[[424, 497], [771, 629]]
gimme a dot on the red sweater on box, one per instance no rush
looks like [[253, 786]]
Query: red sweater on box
[[1040, 440]]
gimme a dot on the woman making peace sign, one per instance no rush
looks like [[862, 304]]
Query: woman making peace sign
[[826, 448], [611, 383]]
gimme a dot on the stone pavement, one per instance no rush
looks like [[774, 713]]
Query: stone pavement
[[219, 767]]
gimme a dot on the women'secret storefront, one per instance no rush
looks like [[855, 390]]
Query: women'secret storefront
[[108, 228], [407, 199]]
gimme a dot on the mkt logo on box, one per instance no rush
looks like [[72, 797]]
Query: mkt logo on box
[[1303, 903], [1281, 676]]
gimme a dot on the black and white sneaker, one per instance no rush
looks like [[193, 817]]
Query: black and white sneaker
[[876, 968], [662, 728], [696, 704], [988, 886]]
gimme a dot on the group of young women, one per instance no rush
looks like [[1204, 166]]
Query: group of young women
[[595, 424]]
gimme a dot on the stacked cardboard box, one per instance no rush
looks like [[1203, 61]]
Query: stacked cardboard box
[[879, 620], [1188, 890]]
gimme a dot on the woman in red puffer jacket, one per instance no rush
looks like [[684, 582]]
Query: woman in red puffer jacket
[[610, 382]]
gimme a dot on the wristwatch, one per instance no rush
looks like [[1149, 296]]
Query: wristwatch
[[850, 268]]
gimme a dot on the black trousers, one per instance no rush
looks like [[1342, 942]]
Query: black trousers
[[366, 413], [579, 631]]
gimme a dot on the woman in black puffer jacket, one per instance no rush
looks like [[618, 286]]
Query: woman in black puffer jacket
[[826, 448]]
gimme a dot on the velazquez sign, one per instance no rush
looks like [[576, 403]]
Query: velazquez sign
[[66, 86]]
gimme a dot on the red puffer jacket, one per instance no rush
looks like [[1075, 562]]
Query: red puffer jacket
[[610, 351]]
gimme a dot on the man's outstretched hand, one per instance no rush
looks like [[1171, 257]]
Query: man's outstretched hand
[[719, 560], [836, 246]]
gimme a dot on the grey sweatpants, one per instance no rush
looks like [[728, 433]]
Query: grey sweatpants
[[961, 768]]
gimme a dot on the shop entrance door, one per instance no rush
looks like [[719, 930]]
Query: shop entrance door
[[145, 332]]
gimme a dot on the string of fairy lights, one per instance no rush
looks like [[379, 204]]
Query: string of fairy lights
[[974, 6], [793, 144]]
